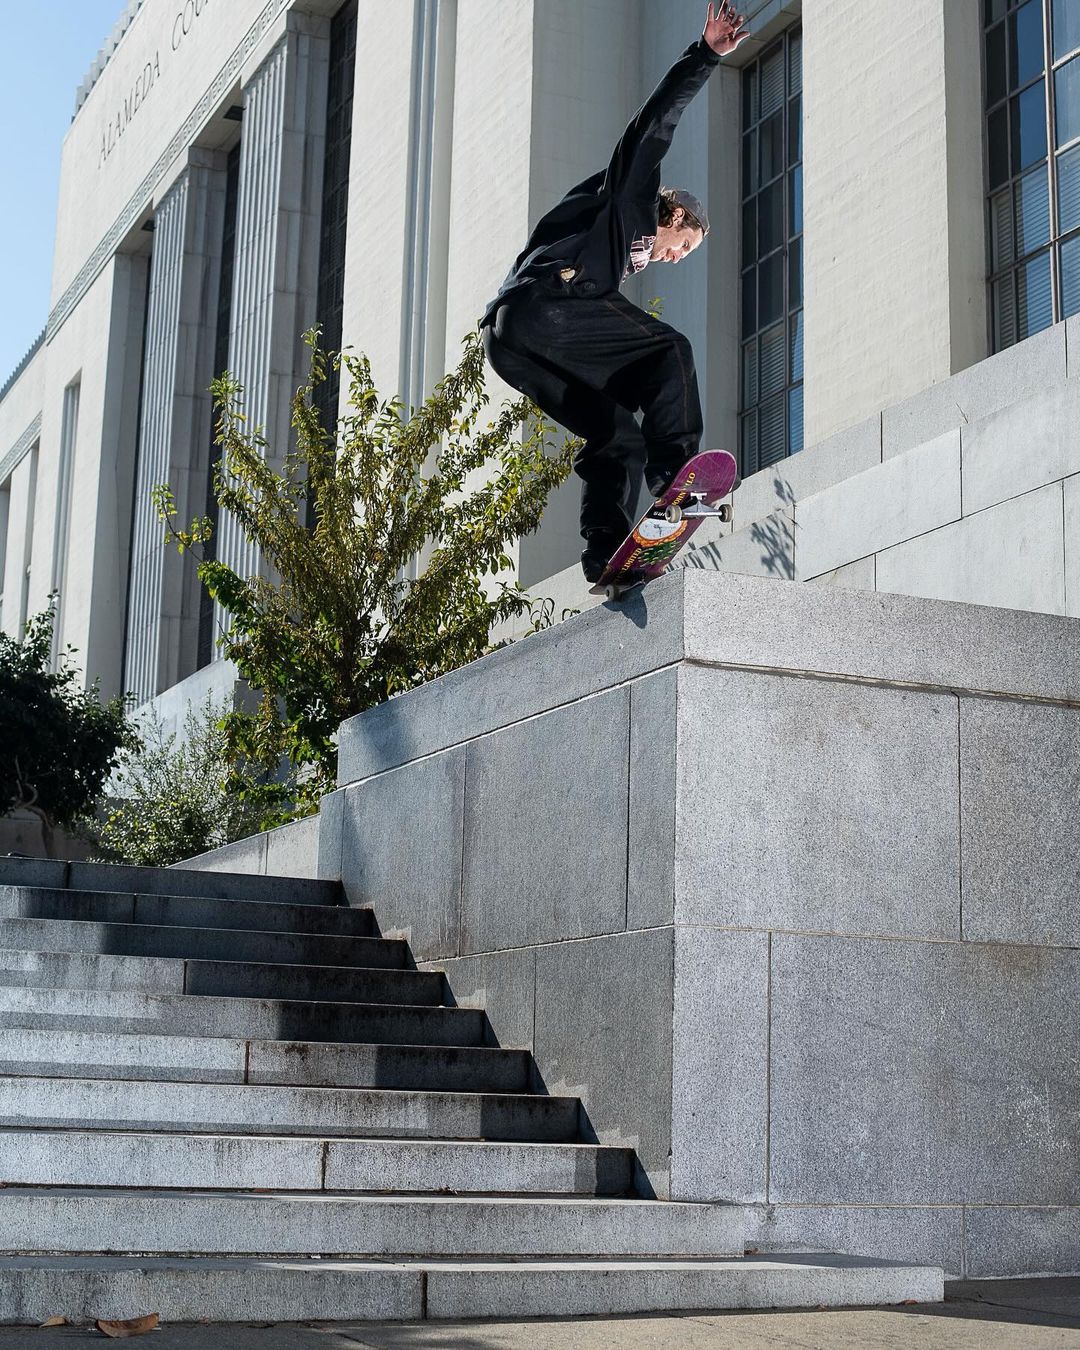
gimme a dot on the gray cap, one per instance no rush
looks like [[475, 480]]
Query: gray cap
[[690, 203]]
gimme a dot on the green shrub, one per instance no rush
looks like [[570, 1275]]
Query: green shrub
[[177, 795], [387, 551], [58, 741]]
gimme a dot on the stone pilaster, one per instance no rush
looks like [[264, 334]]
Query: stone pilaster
[[277, 242], [175, 425]]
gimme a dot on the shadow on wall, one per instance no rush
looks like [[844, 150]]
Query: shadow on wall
[[775, 535]]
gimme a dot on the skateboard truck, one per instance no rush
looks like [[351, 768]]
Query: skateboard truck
[[698, 509]]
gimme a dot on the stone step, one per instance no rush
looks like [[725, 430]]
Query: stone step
[[81, 876], [210, 1059], [183, 911], [239, 979], [241, 1162], [207, 944], [223, 1291], [247, 1018], [156, 1222], [215, 1108]]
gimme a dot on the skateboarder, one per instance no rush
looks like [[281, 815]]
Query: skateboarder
[[560, 332]]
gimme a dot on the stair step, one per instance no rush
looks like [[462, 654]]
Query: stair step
[[156, 1222], [249, 1018], [210, 1059], [79, 876], [240, 1162], [236, 979], [82, 970], [183, 911], [85, 1289], [214, 1108], [208, 944]]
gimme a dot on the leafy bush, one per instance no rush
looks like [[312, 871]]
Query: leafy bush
[[58, 741], [342, 624], [177, 796]]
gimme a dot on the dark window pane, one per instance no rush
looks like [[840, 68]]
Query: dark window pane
[[997, 139], [1025, 44], [1069, 190], [795, 64], [994, 10], [749, 232], [795, 327], [1002, 233], [795, 273], [1036, 310], [794, 134], [996, 86], [750, 372], [1070, 278], [771, 287], [772, 82], [795, 420], [1066, 27], [749, 98], [773, 361], [749, 164], [1067, 95], [771, 218], [795, 202], [749, 445], [1032, 211], [1003, 301], [749, 303], [772, 147], [771, 419], [1029, 128]]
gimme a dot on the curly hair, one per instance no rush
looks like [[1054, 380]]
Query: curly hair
[[669, 203]]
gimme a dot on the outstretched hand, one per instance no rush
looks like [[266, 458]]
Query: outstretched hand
[[726, 29]]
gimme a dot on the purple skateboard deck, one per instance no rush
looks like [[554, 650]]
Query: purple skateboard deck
[[646, 551]]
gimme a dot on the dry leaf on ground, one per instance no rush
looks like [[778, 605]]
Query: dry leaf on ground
[[54, 1322], [135, 1326]]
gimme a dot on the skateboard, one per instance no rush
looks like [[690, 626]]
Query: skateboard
[[693, 496]]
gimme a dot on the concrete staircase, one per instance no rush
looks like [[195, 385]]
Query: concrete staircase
[[225, 1097]]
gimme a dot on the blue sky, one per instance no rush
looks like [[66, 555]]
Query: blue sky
[[47, 48]]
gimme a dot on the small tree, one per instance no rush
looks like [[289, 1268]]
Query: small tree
[[59, 741], [343, 626], [175, 800]]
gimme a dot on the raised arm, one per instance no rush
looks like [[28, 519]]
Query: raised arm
[[644, 143]]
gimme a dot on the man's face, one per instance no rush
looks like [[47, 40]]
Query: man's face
[[676, 241]]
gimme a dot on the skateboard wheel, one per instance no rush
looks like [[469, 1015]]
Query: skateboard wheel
[[611, 592], [673, 514], [726, 513]]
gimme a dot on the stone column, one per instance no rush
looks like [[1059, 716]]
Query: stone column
[[175, 424], [277, 244]]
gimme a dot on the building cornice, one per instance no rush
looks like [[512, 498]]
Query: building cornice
[[136, 206], [20, 449]]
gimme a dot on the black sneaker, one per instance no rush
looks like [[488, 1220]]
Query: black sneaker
[[597, 554]]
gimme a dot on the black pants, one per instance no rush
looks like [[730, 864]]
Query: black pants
[[590, 364]]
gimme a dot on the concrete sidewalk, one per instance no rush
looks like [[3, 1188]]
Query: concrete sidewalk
[[977, 1315]]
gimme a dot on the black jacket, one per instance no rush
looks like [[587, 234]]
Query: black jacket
[[592, 228]]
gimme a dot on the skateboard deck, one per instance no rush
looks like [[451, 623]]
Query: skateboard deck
[[671, 520]]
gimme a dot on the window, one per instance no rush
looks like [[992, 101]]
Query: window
[[1032, 164], [335, 204], [65, 478], [221, 363], [771, 307], [5, 503]]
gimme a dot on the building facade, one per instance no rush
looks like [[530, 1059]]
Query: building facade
[[895, 202]]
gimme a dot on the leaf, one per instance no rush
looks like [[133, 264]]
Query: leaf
[[54, 1322], [135, 1326]]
